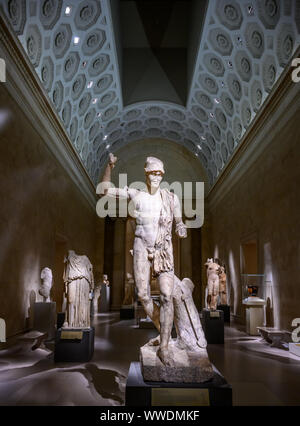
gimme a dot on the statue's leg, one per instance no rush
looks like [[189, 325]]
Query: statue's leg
[[166, 286], [141, 269], [71, 302]]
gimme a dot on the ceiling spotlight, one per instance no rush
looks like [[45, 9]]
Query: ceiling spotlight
[[68, 10], [217, 101], [99, 114], [94, 101], [107, 146], [84, 64], [76, 40], [199, 147], [203, 138], [230, 64], [105, 137], [196, 154], [90, 83], [211, 114]]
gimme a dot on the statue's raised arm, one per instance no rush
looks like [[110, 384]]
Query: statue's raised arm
[[105, 183]]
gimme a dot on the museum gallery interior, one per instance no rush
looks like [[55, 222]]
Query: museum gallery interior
[[149, 244]]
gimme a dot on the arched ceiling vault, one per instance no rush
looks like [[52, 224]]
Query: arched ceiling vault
[[74, 48]]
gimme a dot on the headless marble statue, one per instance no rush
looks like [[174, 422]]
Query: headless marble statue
[[47, 282], [79, 281], [213, 270]]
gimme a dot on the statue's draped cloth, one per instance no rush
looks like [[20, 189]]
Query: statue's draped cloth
[[78, 277], [163, 250]]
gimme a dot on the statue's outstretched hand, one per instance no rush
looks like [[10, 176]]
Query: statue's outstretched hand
[[112, 160]]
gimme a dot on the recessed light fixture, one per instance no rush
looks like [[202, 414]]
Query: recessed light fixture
[[250, 9], [99, 114], [76, 40], [105, 137], [94, 101], [199, 147], [211, 114], [107, 146], [203, 138], [89, 85], [196, 154], [68, 10], [84, 64], [217, 101], [230, 64]]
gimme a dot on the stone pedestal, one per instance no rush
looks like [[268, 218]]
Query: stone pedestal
[[44, 318], [189, 366], [104, 299], [213, 326], [216, 392], [74, 344], [254, 314], [127, 312], [226, 310]]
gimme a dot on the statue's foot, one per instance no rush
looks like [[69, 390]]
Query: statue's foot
[[164, 356], [155, 341]]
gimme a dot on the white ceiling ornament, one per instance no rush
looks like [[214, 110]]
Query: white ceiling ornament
[[243, 50]]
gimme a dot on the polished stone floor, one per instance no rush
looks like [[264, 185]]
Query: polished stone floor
[[259, 374]]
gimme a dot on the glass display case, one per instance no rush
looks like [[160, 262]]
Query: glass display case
[[253, 285]]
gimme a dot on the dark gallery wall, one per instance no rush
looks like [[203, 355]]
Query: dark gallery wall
[[42, 215], [257, 202]]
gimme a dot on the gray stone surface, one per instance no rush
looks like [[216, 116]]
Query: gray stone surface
[[189, 366]]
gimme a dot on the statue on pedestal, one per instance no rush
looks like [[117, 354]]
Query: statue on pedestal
[[222, 286], [47, 282], [155, 209], [79, 281], [213, 282], [129, 290]]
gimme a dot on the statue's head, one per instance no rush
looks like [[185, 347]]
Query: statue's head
[[105, 277], [154, 170]]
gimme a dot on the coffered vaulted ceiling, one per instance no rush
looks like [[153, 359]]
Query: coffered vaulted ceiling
[[229, 56]]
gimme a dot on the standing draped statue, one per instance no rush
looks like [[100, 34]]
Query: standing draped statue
[[79, 281]]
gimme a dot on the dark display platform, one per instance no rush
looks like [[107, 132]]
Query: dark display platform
[[74, 345], [44, 316], [126, 312], [213, 325], [216, 392], [226, 310]]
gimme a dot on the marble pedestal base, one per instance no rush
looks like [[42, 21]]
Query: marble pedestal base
[[216, 392], [189, 367]]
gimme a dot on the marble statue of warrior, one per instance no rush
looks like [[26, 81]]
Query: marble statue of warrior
[[222, 286], [79, 281], [212, 283], [47, 282], [155, 209], [129, 290]]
